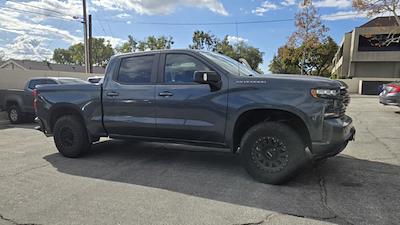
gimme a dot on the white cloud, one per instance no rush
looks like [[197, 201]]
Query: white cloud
[[333, 3], [236, 39], [346, 15], [27, 47], [18, 23], [123, 15], [32, 35], [113, 40], [343, 15], [63, 9], [159, 7], [265, 7], [288, 2]]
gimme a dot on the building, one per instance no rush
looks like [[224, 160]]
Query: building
[[13, 64], [15, 73], [365, 53]]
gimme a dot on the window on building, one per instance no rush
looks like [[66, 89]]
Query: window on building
[[377, 42]]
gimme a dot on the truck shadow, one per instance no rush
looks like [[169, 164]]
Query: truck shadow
[[343, 189], [7, 125]]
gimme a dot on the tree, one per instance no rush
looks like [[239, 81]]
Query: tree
[[287, 61], [129, 46], [241, 50], [320, 60], [203, 40], [62, 56], [376, 7], [155, 43], [308, 29], [101, 52], [75, 54]]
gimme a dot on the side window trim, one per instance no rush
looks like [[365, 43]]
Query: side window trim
[[154, 69]]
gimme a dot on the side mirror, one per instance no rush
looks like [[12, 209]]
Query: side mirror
[[208, 77]]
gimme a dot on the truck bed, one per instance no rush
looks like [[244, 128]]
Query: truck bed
[[8, 93]]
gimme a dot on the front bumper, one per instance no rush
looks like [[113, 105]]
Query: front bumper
[[393, 100], [337, 133]]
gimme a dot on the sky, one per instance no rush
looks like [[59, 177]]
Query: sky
[[32, 29]]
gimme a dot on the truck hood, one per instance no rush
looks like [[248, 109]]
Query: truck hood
[[301, 80]]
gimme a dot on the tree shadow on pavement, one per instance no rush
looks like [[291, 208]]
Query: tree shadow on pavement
[[343, 190]]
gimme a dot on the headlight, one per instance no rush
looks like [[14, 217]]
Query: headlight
[[324, 93]]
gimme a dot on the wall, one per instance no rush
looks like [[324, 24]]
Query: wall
[[357, 56], [16, 79], [355, 84]]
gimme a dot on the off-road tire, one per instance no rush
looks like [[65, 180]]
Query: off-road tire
[[272, 152], [70, 136]]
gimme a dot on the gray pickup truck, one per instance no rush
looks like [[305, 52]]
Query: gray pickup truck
[[277, 123], [19, 103]]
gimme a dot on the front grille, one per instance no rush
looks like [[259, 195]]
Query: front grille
[[343, 101]]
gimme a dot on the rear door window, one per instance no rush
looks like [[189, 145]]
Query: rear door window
[[136, 70]]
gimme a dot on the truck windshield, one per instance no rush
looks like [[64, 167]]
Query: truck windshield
[[232, 66]]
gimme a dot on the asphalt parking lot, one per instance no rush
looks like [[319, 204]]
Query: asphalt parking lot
[[144, 183]]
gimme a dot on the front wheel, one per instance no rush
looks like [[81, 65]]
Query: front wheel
[[70, 136], [272, 152]]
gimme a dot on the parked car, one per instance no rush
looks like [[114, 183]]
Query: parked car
[[19, 103], [390, 94], [95, 79], [277, 123]]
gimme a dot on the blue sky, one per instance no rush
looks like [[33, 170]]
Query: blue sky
[[32, 29]]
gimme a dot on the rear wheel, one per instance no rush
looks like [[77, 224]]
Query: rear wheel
[[14, 114], [70, 136], [272, 152]]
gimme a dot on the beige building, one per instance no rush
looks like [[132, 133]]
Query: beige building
[[363, 52], [15, 73]]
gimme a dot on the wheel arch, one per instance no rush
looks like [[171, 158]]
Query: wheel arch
[[252, 116], [63, 109], [13, 101]]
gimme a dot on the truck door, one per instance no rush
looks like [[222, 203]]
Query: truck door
[[128, 97], [187, 110]]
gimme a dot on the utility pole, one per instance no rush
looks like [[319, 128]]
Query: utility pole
[[303, 59], [90, 45], [85, 39]]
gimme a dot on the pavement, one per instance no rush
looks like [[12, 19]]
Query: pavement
[[146, 183]]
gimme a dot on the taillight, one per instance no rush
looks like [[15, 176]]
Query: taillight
[[394, 89], [34, 94]]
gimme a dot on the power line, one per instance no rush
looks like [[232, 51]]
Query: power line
[[198, 24], [219, 23], [43, 14], [37, 7], [109, 28]]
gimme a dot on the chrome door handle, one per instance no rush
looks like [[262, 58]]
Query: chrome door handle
[[166, 94]]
